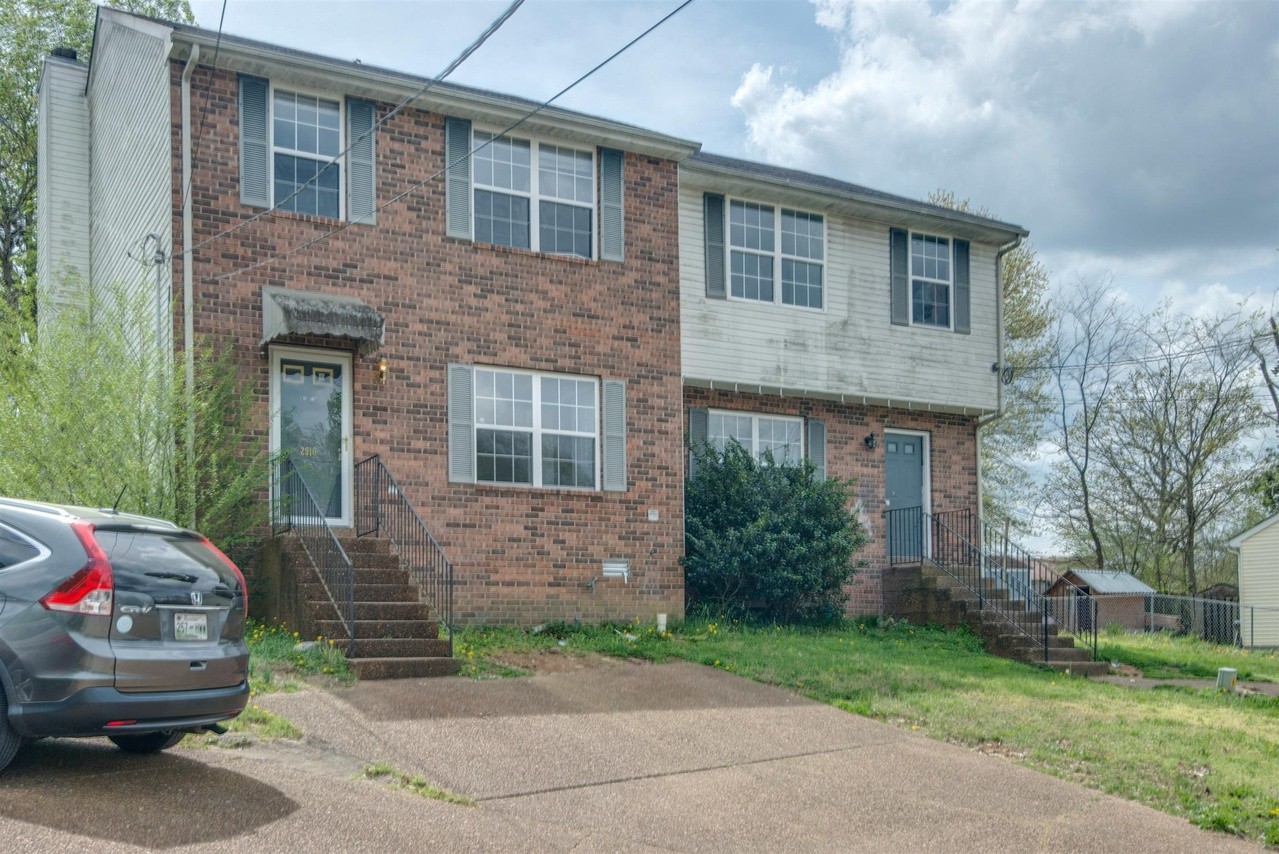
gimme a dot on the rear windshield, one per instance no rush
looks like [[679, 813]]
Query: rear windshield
[[14, 548], [163, 557]]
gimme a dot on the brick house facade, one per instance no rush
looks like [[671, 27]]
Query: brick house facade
[[457, 311]]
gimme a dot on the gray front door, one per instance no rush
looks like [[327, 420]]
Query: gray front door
[[904, 492]]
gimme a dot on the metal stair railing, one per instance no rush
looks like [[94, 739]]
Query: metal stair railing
[[382, 508], [294, 509], [976, 556]]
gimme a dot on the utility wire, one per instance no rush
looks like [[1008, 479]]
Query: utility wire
[[422, 90], [279, 256], [1133, 361], [204, 110]]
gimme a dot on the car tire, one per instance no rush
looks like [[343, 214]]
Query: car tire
[[10, 741], [148, 742]]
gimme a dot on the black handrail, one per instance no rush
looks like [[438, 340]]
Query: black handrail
[[382, 508], [295, 509], [1000, 573]]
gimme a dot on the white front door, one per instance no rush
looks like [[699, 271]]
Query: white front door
[[311, 423]]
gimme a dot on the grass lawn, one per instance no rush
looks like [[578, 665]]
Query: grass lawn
[[1162, 655], [1211, 757]]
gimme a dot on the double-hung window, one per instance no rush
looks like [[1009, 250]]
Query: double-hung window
[[306, 133], [533, 195], [931, 277], [536, 429], [775, 437], [775, 253]]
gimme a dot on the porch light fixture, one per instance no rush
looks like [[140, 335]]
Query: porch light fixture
[[871, 441], [381, 370]]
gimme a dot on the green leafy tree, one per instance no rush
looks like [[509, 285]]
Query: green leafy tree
[[89, 415], [1009, 442], [773, 542], [29, 30]]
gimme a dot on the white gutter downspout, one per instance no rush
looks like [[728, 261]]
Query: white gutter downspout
[[188, 288], [987, 420]]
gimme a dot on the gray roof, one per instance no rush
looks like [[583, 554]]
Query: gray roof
[[832, 186], [1103, 581]]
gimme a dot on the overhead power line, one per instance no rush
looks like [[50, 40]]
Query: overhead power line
[[422, 90], [279, 256], [1133, 361], [204, 110]]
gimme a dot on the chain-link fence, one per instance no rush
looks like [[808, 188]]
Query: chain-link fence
[[1213, 620]]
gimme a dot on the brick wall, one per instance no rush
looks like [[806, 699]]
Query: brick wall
[[953, 464], [521, 554]]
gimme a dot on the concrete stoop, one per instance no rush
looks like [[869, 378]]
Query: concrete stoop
[[925, 595], [396, 636]]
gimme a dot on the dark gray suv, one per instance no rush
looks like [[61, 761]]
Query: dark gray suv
[[115, 625]]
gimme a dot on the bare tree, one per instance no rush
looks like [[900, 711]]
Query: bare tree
[[1090, 343]]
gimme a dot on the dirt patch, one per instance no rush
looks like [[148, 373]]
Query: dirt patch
[[996, 748], [559, 661], [1128, 670]]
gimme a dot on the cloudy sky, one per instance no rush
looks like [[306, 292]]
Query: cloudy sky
[[1138, 140]]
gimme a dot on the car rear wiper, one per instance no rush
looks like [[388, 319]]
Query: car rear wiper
[[176, 576]]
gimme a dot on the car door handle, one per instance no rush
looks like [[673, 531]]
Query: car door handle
[[199, 665]]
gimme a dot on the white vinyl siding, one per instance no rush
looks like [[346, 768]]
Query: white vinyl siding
[[132, 163], [850, 350], [62, 186], [1259, 587]]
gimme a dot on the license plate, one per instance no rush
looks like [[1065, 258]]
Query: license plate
[[191, 627]]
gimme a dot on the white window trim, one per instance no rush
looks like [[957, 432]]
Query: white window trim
[[755, 417], [911, 277], [343, 161], [777, 254], [537, 428], [534, 193]]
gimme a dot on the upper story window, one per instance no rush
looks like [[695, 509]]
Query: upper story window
[[775, 253], [533, 195], [292, 148], [536, 429], [761, 435], [931, 277], [306, 133]]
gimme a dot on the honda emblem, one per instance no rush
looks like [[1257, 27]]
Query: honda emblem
[[196, 597]]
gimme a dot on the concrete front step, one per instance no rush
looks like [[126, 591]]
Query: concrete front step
[[367, 592], [359, 559], [404, 668], [376, 629], [398, 648], [371, 544], [384, 610]]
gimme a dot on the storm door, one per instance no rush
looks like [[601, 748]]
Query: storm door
[[311, 423], [905, 471]]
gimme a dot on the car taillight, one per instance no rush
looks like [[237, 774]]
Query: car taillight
[[244, 588], [90, 590]]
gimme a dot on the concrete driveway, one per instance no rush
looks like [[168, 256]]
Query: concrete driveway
[[617, 757], [679, 757]]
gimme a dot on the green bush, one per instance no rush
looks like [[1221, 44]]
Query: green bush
[[93, 408], [766, 541]]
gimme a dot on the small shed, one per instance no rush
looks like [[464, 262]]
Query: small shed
[[1120, 596], [1258, 550]]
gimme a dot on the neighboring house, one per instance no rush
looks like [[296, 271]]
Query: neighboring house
[[1122, 598], [1258, 550], [526, 336]]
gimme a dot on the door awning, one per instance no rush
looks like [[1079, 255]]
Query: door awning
[[289, 312]]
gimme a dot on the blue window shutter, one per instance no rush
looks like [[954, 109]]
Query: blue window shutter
[[899, 284], [614, 453], [817, 445], [255, 147], [361, 199], [962, 312], [461, 424], [612, 222], [713, 218], [457, 186], [699, 428]]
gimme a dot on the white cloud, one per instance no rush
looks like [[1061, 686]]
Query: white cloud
[[1129, 132]]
